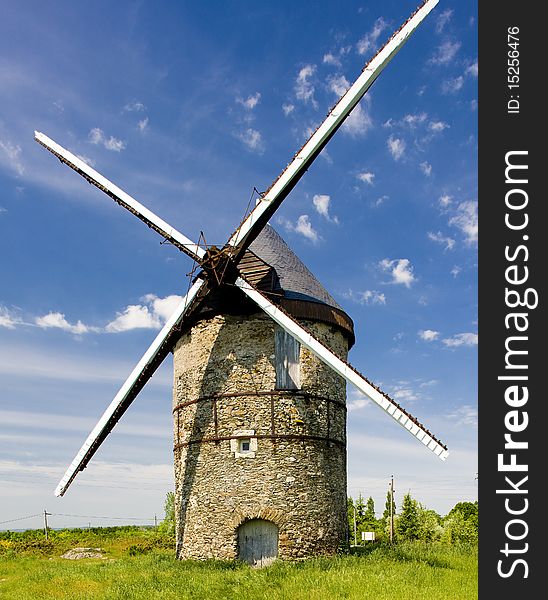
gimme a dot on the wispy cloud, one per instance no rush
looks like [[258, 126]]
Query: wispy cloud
[[8, 319], [400, 269], [445, 53], [142, 125], [134, 106], [251, 101], [472, 69], [287, 108], [10, 155], [303, 226], [426, 168], [437, 126], [466, 219], [439, 238], [366, 177], [365, 298], [443, 19], [321, 204], [465, 415], [252, 139], [453, 85], [304, 86], [369, 42], [414, 120], [445, 201], [396, 147], [97, 136], [461, 339], [428, 335]]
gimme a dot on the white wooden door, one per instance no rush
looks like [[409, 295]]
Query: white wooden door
[[258, 542]]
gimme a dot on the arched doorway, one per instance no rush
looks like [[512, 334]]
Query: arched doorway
[[258, 542]]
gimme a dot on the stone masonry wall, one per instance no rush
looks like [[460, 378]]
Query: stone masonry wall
[[298, 483]]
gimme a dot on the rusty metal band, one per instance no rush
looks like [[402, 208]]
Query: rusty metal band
[[266, 436], [283, 393]]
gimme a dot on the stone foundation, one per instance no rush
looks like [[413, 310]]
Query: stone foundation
[[292, 470]]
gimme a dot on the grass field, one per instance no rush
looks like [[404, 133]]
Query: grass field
[[137, 568]]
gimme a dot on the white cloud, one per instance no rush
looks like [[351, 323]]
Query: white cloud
[[461, 339], [455, 270], [465, 415], [428, 335], [288, 108], [445, 53], [321, 204], [441, 239], [437, 126], [338, 84], [368, 42], [466, 219], [331, 59], [366, 298], [142, 124], [404, 394], [304, 88], [11, 154], [134, 106], [8, 319], [473, 104], [163, 308], [57, 320], [97, 137], [359, 121], [400, 269], [443, 19], [357, 400], [305, 228], [413, 121], [251, 101], [379, 201], [366, 177], [426, 168], [134, 316], [252, 139], [472, 69], [445, 201], [302, 226], [3, 210], [452, 86], [396, 146]]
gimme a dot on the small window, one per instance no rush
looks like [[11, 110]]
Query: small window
[[287, 357], [245, 445]]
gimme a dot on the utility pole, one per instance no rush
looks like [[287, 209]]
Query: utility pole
[[392, 509], [155, 522], [355, 536], [46, 522]]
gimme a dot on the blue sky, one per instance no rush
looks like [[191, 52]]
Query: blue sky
[[188, 106]]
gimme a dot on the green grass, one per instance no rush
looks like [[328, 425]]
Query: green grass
[[403, 572]]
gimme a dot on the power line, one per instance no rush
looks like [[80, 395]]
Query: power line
[[20, 518]]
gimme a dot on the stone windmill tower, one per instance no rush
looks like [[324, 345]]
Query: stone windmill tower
[[259, 376], [260, 423]]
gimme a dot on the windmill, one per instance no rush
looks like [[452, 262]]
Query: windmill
[[260, 372]]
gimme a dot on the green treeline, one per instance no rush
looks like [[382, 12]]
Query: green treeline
[[413, 522]]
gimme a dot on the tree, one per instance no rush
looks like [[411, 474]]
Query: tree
[[168, 524], [369, 514], [408, 522]]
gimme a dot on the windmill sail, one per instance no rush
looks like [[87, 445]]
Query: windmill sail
[[290, 176], [122, 198], [342, 368], [143, 371]]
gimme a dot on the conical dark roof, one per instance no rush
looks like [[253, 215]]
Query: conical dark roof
[[296, 281], [272, 267]]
